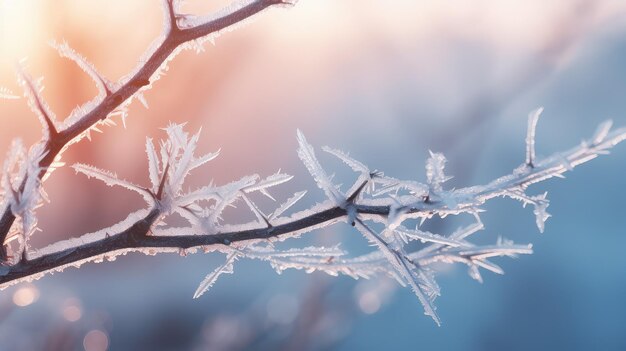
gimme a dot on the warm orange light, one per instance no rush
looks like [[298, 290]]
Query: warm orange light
[[20, 23]]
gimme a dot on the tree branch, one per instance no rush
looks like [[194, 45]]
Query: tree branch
[[172, 41], [466, 200]]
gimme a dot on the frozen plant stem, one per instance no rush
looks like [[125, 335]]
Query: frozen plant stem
[[373, 201]]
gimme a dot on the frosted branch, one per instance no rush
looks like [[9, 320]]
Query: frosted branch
[[147, 231], [113, 98]]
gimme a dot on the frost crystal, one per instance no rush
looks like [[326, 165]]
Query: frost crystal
[[533, 117], [32, 92], [7, 94], [307, 155], [211, 278], [287, 204], [434, 171]]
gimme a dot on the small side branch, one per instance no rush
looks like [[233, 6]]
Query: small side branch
[[37, 103], [66, 51], [169, 7]]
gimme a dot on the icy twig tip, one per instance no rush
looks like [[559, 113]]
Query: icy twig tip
[[533, 117]]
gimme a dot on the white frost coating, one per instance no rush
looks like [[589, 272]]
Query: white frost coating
[[22, 169], [167, 171], [111, 179], [287, 204], [14, 167], [156, 44], [177, 231], [92, 237], [425, 237], [102, 83], [541, 215], [211, 278], [497, 250], [268, 252], [434, 171], [32, 93], [187, 21], [389, 185], [109, 256], [153, 165], [227, 196], [182, 149], [7, 94], [142, 99], [307, 155], [533, 117], [391, 205], [190, 21], [271, 181], [261, 217], [356, 166], [540, 202], [399, 262], [359, 167], [601, 132], [318, 207]]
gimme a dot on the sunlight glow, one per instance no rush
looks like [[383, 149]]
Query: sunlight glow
[[20, 23]]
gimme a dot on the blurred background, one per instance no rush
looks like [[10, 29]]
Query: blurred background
[[386, 81]]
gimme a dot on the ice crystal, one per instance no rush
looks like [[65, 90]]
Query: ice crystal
[[7, 94]]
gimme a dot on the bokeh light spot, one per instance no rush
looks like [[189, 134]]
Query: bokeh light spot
[[71, 310], [25, 295], [369, 302], [96, 340]]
